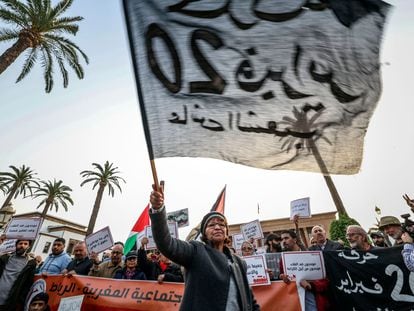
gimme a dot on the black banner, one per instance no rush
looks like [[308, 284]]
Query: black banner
[[375, 280]]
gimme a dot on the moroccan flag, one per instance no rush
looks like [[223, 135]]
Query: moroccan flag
[[258, 84], [218, 207], [139, 227]]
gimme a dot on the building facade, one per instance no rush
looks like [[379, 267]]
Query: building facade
[[305, 226], [52, 228]]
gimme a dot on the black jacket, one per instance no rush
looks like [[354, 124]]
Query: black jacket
[[207, 270], [21, 286], [330, 246]]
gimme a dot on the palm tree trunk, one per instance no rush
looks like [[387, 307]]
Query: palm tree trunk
[[44, 212], [329, 182], [10, 55], [10, 196], [95, 210]]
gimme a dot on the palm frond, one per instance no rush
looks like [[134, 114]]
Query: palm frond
[[28, 65], [60, 8], [62, 68], [47, 64], [8, 34], [10, 17]]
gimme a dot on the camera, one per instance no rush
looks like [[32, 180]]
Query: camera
[[408, 225]]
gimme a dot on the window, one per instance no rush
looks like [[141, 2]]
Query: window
[[46, 247]]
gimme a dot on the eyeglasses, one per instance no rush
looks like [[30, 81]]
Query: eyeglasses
[[247, 248], [214, 224], [116, 252]]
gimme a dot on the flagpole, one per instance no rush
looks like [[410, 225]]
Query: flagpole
[[154, 174], [329, 182], [141, 99]]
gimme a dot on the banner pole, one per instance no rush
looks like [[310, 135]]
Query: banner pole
[[154, 174]]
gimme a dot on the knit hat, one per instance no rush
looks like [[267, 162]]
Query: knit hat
[[30, 241], [376, 234], [207, 218], [41, 297], [131, 254]]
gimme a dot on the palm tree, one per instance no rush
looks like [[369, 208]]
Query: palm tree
[[38, 28], [53, 194], [102, 176], [301, 123], [20, 181]]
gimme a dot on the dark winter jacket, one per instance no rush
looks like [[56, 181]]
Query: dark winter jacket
[[21, 286], [138, 275], [207, 270]]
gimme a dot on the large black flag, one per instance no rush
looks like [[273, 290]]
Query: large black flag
[[376, 280], [258, 82]]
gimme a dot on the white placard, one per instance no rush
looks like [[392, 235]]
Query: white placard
[[252, 229], [238, 240], [8, 246], [180, 216], [256, 270], [300, 207], [23, 228], [307, 265], [73, 303], [260, 250], [99, 241], [172, 227]]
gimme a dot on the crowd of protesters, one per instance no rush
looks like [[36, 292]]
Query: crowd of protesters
[[214, 276]]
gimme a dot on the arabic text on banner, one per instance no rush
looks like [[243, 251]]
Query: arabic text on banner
[[255, 83]]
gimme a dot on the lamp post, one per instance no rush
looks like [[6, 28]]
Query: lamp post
[[6, 213]]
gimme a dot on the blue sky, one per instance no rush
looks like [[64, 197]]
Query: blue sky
[[97, 119]]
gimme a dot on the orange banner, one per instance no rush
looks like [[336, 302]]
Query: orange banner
[[103, 294]]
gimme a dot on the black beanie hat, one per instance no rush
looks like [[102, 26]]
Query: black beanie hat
[[209, 216], [41, 297]]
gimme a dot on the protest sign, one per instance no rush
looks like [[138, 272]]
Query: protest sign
[[252, 230], [300, 207], [73, 303], [272, 262], [307, 265], [172, 227], [99, 241], [238, 240], [180, 217], [8, 246], [23, 228], [256, 270]]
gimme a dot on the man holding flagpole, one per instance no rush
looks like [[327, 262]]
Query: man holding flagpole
[[215, 279]]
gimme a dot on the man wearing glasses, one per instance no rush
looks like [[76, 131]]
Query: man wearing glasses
[[107, 269], [358, 238]]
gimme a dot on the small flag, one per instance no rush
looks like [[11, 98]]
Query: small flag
[[139, 227], [218, 207]]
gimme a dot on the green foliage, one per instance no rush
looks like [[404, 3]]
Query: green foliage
[[106, 175], [42, 31], [337, 231], [53, 194]]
